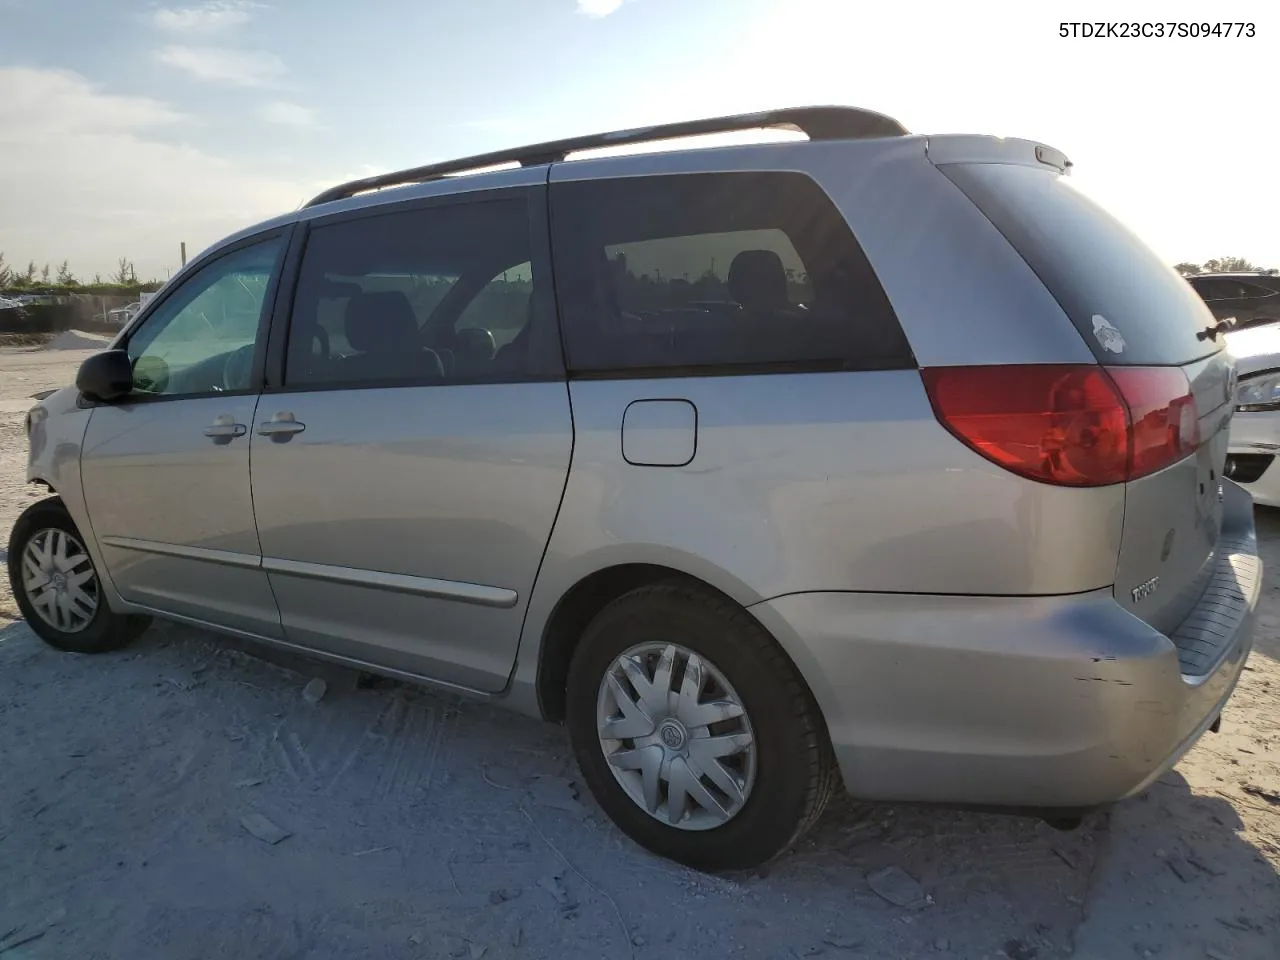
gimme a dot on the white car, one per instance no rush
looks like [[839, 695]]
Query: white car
[[1255, 428], [122, 315]]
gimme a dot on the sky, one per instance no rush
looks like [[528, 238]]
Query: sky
[[129, 126]]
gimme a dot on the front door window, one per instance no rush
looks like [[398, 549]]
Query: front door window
[[201, 339]]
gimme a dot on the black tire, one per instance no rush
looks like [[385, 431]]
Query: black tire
[[796, 771], [106, 630]]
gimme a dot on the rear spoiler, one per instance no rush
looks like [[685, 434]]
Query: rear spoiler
[[966, 148]]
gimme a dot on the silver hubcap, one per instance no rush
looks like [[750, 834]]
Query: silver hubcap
[[676, 736], [58, 578]]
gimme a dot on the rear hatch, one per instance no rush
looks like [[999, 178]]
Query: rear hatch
[[1136, 314]]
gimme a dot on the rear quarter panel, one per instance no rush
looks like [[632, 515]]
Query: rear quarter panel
[[846, 481], [841, 481], [963, 295], [808, 482]]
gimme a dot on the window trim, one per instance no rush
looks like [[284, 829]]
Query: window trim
[[567, 258], [193, 269], [545, 344]]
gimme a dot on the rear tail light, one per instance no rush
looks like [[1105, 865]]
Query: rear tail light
[[1164, 422], [1071, 425]]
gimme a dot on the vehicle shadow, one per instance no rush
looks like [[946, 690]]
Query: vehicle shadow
[[424, 825], [1179, 880]]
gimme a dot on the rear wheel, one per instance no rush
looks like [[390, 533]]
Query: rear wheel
[[56, 584], [694, 731]]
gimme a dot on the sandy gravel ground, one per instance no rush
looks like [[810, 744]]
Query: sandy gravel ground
[[424, 827]]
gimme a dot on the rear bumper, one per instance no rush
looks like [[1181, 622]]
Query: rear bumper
[[1019, 702], [1252, 453]]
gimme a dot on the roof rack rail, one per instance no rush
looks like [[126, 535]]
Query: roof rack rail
[[819, 123]]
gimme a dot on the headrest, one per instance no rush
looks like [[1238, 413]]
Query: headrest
[[381, 322], [757, 280]]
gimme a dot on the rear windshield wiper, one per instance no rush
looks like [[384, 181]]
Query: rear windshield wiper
[[1211, 332]]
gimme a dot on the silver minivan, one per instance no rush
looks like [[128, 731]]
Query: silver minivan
[[867, 457]]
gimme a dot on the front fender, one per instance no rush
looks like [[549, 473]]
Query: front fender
[[56, 429]]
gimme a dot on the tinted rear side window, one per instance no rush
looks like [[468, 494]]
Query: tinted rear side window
[[715, 273], [436, 294], [1103, 276], [1220, 288], [1255, 292]]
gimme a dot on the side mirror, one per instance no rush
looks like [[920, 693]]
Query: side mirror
[[106, 376]]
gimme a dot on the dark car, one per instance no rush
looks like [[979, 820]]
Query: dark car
[[1252, 298]]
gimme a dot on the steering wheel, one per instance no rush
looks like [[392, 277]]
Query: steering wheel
[[150, 374], [237, 369]]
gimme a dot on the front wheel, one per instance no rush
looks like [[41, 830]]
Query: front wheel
[[56, 584], [694, 731]]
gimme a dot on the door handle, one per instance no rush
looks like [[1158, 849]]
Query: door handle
[[224, 429], [281, 427]]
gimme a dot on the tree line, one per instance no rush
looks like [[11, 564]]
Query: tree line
[[1222, 265], [60, 280]]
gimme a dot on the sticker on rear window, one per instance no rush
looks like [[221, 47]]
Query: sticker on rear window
[[1108, 336]]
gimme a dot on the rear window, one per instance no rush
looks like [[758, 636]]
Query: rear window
[[715, 273], [1130, 307]]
